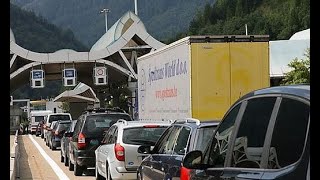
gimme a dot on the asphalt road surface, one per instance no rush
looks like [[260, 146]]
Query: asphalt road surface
[[37, 161]]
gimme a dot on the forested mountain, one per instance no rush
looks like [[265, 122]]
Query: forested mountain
[[37, 34], [279, 19], [163, 18]]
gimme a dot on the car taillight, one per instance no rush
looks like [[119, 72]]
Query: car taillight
[[184, 173], [81, 141], [119, 151]]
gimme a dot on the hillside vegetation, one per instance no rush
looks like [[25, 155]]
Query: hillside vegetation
[[278, 19], [163, 19], [37, 34]]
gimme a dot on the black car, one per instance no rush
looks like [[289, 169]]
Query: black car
[[264, 135], [56, 133], [87, 135], [164, 161], [64, 150]]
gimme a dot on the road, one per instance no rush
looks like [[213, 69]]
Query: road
[[37, 161]]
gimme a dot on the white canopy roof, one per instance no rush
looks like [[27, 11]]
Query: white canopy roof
[[81, 93]]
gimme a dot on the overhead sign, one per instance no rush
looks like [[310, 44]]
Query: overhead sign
[[100, 71], [37, 74], [69, 73]]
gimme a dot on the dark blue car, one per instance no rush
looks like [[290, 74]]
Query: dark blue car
[[264, 135], [164, 161]]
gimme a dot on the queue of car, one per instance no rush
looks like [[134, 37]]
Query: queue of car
[[254, 140]]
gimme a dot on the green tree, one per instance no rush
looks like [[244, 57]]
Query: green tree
[[300, 72]]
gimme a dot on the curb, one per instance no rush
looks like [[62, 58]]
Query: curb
[[14, 158]]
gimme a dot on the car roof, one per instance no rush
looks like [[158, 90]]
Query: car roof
[[196, 122], [59, 114], [125, 123], [99, 113], [300, 90], [64, 121]]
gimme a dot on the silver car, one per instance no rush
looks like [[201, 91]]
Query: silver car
[[117, 156]]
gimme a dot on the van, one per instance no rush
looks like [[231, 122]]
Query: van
[[37, 116]]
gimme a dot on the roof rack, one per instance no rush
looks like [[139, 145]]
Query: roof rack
[[107, 110], [187, 120]]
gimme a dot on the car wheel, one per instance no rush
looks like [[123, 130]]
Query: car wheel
[[71, 166], [98, 176], [61, 157], [52, 146], [78, 170], [66, 161], [139, 176], [108, 173]]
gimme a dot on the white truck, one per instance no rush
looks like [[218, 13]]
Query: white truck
[[37, 116], [200, 76]]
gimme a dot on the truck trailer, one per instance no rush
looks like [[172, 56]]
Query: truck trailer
[[201, 76]]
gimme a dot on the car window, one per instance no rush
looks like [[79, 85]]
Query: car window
[[57, 117], [71, 127], [182, 140], [142, 135], [95, 125], [109, 136], [38, 118], [63, 126], [248, 147], [52, 126], [77, 127], [216, 153], [289, 133], [204, 134], [167, 143]]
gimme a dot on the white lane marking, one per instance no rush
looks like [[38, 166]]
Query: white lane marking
[[51, 162]]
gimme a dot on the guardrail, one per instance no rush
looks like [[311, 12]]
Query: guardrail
[[14, 158]]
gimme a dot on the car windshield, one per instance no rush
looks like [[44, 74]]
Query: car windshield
[[203, 137], [142, 135], [57, 117]]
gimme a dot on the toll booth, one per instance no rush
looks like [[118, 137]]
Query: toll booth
[[100, 76], [69, 77], [37, 78]]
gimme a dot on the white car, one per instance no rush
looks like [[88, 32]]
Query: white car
[[117, 157], [54, 117]]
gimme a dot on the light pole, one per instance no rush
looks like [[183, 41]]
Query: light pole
[[136, 7], [105, 11]]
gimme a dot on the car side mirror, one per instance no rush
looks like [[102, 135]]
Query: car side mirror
[[144, 149], [193, 160]]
